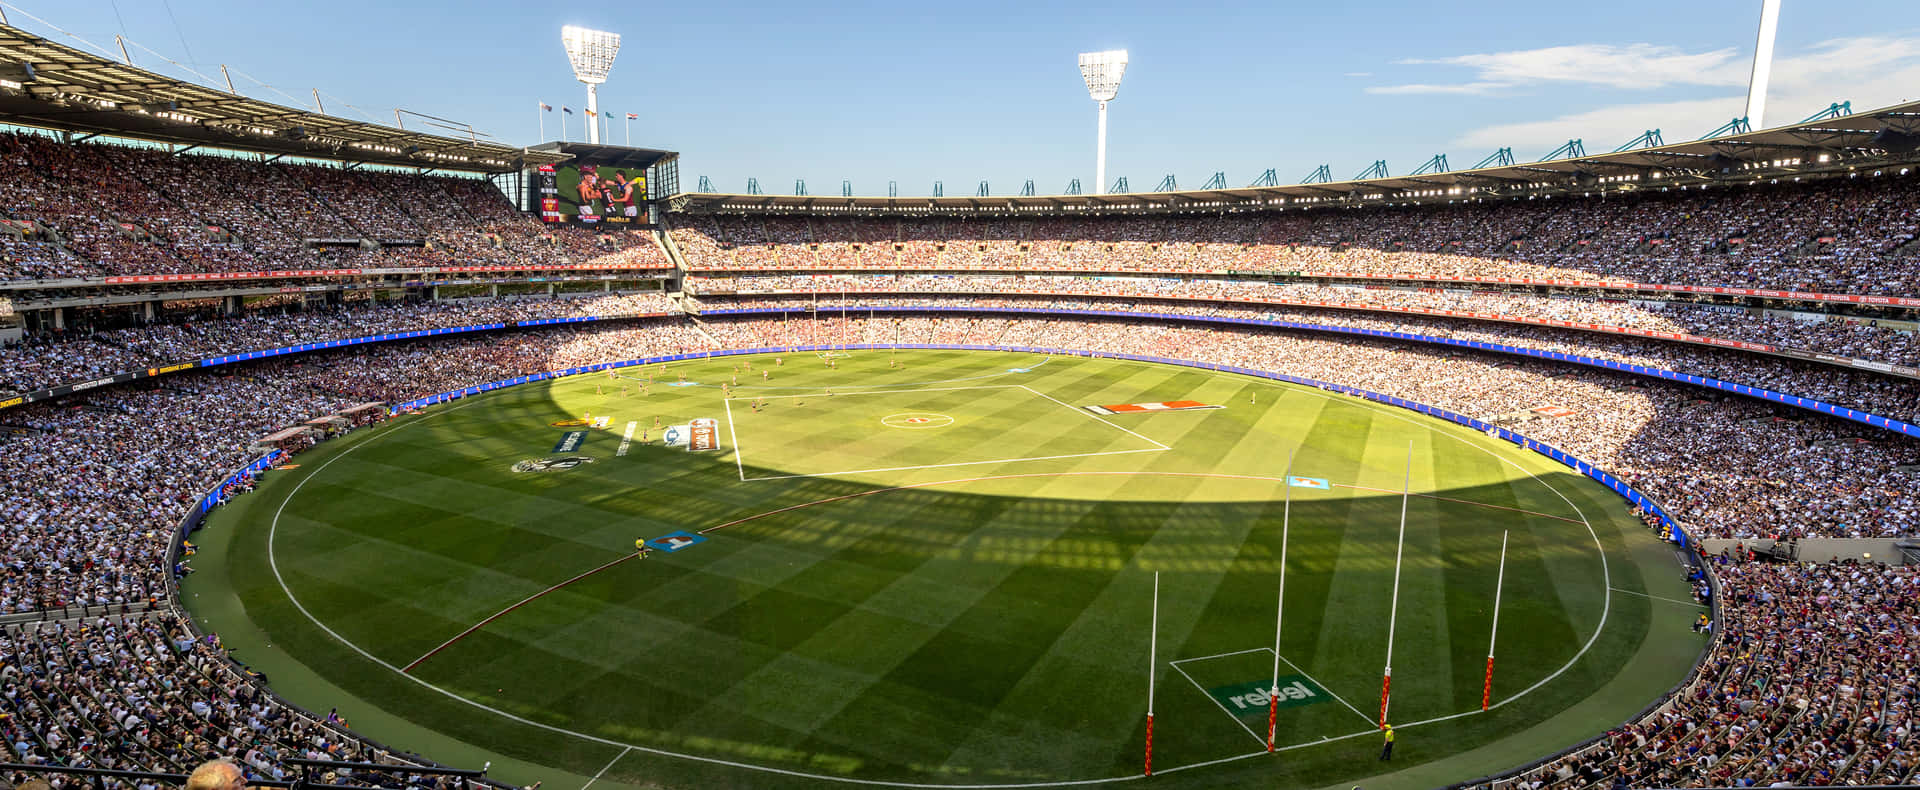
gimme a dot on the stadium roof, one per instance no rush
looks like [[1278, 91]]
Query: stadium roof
[[46, 84], [606, 155], [1867, 140]]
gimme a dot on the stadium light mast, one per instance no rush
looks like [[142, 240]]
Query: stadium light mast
[[1102, 71], [591, 52], [1762, 63]]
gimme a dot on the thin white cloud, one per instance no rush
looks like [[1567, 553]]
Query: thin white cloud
[[1870, 72], [1634, 67], [1358, 74], [1463, 89]]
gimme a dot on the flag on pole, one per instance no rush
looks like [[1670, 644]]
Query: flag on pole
[[633, 116], [593, 114], [545, 107], [566, 109]]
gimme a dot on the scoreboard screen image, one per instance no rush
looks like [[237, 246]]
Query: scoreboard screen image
[[592, 194]]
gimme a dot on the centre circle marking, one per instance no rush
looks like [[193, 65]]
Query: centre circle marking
[[917, 420]]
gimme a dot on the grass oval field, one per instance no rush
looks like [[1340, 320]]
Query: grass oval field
[[969, 605]]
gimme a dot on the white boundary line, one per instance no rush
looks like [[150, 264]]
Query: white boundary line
[[1223, 708], [1606, 568], [1089, 415], [603, 769], [1694, 604], [274, 565]]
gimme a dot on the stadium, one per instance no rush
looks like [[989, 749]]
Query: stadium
[[368, 455]]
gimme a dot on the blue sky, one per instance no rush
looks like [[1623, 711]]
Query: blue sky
[[966, 92]]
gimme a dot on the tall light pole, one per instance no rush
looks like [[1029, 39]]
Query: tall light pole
[[591, 52], [1102, 71], [1762, 63]]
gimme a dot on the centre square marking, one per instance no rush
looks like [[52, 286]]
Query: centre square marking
[[998, 426], [917, 420]]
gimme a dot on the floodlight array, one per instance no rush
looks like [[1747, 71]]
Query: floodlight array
[[591, 52], [1102, 71]]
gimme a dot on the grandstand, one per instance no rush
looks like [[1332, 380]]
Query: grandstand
[[1726, 327]]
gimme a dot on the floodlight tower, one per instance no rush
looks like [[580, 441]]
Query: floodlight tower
[[591, 52], [1102, 71], [1762, 63]]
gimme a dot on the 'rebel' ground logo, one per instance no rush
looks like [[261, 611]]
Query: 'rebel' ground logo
[[562, 463]]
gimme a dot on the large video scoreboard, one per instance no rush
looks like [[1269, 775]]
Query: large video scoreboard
[[592, 194]]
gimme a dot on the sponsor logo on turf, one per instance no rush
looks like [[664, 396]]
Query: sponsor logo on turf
[[570, 442], [569, 424], [560, 464], [1165, 405], [1307, 482], [1293, 692], [675, 541]]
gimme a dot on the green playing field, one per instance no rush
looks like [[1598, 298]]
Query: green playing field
[[940, 568]]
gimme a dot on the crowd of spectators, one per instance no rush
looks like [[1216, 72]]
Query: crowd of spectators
[[141, 692], [96, 209], [1729, 467], [1847, 235], [42, 361], [1835, 335], [1812, 683], [1868, 391]]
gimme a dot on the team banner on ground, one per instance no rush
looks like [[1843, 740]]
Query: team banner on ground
[[697, 435], [1135, 408]]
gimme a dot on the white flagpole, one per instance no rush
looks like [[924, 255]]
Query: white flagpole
[[629, 131], [542, 112]]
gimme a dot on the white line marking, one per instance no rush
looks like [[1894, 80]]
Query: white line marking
[[1296, 668], [1221, 655], [1223, 708], [960, 463], [909, 416], [273, 563], [1225, 759], [1091, 416], [822, 393], [1606, 568], [626, 439], [1695, 604], [1329, 689], [738, 464], [603, 770]]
